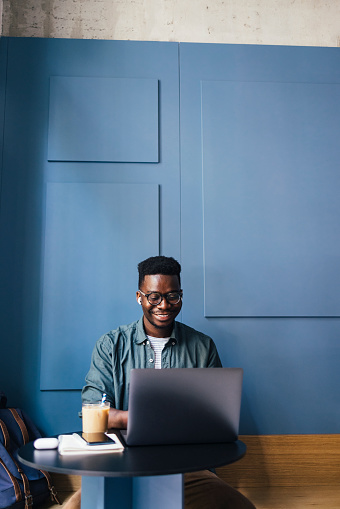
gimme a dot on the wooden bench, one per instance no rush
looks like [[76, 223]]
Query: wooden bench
[[278, 472], [288, 471]]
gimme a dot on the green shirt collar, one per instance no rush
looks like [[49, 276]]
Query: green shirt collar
[[141, 335]]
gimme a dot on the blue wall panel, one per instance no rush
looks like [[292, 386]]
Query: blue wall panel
[[270, 176], [103, 119], [50, 282], [91, 233], [260, 224]]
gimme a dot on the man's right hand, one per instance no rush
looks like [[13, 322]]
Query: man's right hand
[[118, 418]]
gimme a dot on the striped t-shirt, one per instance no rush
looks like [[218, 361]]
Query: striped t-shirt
[[157, 345]]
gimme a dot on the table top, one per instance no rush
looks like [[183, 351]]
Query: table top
[[136, 461]]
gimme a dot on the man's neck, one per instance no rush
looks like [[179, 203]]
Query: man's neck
[[157, 332]]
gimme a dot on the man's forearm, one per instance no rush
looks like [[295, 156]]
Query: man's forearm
[[118, 418]]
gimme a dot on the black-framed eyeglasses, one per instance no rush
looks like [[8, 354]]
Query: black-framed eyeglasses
[[155, 298]]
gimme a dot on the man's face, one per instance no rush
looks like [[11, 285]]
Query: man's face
[[158, 319]]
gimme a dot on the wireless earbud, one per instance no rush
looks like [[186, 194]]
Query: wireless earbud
[[140, 301]]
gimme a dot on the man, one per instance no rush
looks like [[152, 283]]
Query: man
[[156, 341]]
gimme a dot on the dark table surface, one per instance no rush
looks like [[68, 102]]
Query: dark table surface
[[136, 461]]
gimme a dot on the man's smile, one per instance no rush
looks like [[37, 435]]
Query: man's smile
[[162, 316]]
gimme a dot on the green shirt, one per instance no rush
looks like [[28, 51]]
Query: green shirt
[[127, 347]]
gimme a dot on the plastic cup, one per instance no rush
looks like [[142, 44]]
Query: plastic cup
[[95, 417]]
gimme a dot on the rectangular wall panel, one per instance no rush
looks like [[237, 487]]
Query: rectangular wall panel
[[130, 91], [95, 236], [103, 119], [271, 176], [260, 224]]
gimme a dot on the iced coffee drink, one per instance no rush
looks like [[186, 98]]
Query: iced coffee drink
[[95, 417]]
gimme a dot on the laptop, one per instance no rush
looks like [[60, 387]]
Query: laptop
[[183, 406]]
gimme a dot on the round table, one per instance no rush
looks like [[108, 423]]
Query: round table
[[138, 476]]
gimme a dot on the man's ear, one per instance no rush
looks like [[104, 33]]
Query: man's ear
[[139, 298]]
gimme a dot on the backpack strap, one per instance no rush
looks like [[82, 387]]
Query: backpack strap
[[53, 492], [5, 434], [26, 439], [21, 425], [25, 481], [17, 490]]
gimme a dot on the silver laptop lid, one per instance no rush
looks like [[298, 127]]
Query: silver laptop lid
[[184, 405]]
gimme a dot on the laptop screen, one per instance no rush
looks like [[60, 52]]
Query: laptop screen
[[184, 405]]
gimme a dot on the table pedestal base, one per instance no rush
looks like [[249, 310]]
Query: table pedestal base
[[165, 491]]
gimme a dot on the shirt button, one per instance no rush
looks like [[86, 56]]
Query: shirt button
[[173, 343], [150, 360]]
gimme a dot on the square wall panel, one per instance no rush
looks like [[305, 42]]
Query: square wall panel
[[95, 236], [271, 187], [103, 119]]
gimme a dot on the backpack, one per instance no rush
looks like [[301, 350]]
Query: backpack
[[21, 487]]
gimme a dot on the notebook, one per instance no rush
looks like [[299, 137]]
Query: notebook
[[184, 406]]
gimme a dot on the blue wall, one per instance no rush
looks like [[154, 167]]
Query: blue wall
[[223, 156]]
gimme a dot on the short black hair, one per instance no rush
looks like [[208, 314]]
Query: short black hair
[[165, 265]]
